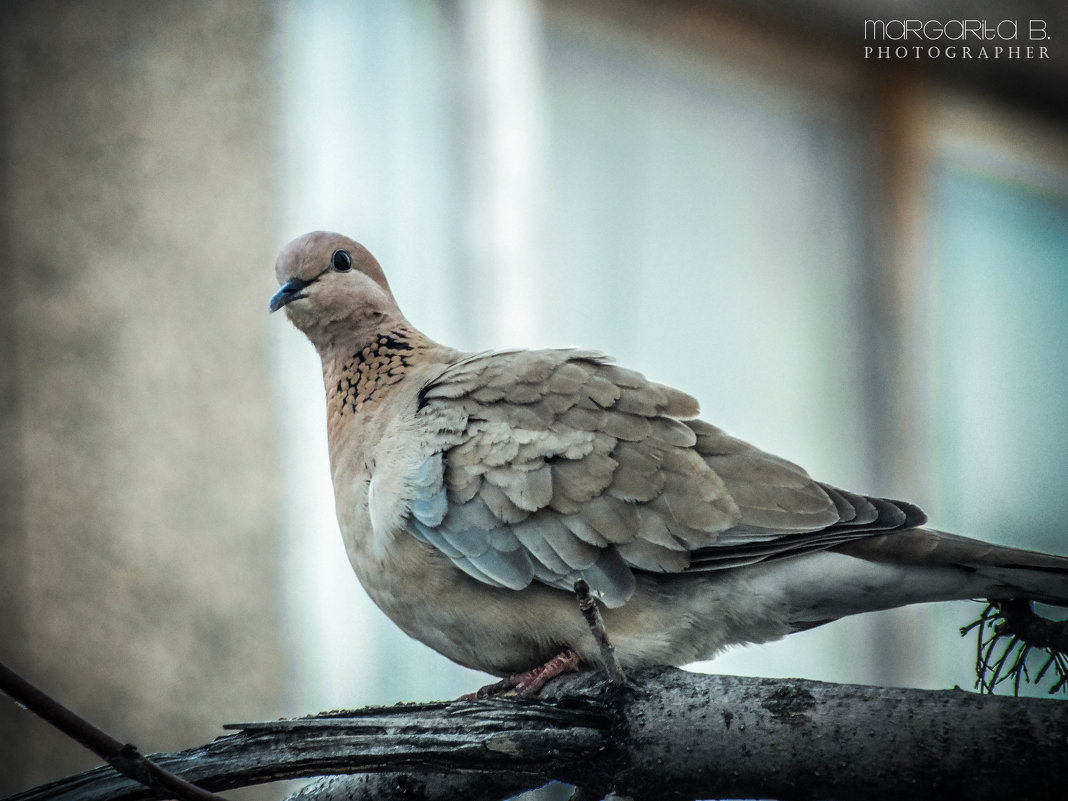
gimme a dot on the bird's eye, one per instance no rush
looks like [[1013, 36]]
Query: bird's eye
[[341, 261]]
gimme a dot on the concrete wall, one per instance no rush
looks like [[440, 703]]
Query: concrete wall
[[138, 486]]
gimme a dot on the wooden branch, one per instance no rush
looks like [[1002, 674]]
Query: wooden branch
[[507, 736], [726, 737], [671, 734]]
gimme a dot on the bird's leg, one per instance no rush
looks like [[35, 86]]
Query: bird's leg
[[528, 683], [589, 610]]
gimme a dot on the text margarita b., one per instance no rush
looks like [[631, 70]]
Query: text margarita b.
[[956, 38]]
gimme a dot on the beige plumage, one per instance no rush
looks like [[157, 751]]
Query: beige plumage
[[473, 490]]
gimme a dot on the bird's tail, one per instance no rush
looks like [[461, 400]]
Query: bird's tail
[[993, 572]]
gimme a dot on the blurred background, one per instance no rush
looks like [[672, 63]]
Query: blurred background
[[861, 265]]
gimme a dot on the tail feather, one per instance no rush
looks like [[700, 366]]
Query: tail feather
[[1008, 572]]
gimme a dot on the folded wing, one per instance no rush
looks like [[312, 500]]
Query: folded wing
[[562, 465]]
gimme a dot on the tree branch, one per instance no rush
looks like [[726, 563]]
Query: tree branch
[[124, 757], [672, 735]]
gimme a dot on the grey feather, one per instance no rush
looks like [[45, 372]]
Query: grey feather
[[512, 569], [532, 535], [610, 579], [433, 537]]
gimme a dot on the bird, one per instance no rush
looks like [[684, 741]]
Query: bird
[[473, 490]]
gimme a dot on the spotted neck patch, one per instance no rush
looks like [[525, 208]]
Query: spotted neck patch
[[366, 375]]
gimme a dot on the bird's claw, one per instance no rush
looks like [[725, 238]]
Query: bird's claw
[[527, 684]]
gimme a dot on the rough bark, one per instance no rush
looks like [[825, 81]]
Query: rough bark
[[671, 734]]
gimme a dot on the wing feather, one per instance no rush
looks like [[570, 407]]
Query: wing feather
[[558, 465]]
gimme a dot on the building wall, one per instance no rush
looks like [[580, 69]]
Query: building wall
[[138, 555]]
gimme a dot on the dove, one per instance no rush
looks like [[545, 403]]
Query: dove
[[473, 490]]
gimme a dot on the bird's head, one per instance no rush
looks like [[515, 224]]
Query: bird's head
[[333, 289]]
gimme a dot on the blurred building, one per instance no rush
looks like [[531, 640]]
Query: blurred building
[[859, 263], [139, 557]]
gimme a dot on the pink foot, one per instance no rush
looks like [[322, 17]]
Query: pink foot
[[524, 685]]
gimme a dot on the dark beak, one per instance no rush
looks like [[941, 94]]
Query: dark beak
[[291, 290]]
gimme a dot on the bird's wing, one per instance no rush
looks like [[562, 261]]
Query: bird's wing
[[562, 465], [784, 512]]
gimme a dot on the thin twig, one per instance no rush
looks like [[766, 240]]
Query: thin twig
[[1019, 631], [1020, 619], [594, 620], [124, 757]]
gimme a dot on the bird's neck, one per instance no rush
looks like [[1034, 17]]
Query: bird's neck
[[363, 374]]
